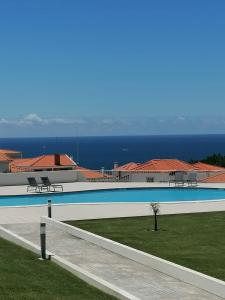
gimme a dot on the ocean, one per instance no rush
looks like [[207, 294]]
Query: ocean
[[98, 152]]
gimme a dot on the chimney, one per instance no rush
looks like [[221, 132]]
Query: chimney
[[116, 165], [57, 159]]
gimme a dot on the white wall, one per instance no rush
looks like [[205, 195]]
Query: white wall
[[4, 166], [162, 176], [54, 177]]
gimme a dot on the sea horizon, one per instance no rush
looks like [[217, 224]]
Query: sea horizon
[[114, 135], [96, 152]]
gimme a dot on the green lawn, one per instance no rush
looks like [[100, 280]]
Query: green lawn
[[23, 276], [196, 241]]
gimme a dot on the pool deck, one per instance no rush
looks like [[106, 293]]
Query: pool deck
[[29, 214]]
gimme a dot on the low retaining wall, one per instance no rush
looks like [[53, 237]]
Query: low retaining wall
[[76, 270], [13, 179], [210, 284]]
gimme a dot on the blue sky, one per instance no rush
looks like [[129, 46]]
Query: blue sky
[[112, 67]]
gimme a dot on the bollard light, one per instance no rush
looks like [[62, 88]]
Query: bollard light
[[49, 208], [43, 240]]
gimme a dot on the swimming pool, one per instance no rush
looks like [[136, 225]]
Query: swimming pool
[[118, 195]]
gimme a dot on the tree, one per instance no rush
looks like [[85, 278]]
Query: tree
[[215, 159], [155, 209]]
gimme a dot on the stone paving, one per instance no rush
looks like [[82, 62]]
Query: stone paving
[[137, 279]]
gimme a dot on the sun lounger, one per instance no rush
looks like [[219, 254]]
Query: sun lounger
[[192, 179], [33, 185], [178, 179], [47, 184]]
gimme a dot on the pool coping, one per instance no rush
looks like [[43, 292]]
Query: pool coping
[[84, 211], [111, 203], [44, 194]]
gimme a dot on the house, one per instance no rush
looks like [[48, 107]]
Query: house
[[207, 167], [206, 170], [159, 170], [91, 175], [6, 156], [4, 163], [162, 170], [161, 165], [126, 167], [12, 154], [51, 162], [218, 178]]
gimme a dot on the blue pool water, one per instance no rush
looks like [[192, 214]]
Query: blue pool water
[[118, 195]]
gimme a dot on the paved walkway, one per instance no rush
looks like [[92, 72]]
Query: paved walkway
[[139, 280]]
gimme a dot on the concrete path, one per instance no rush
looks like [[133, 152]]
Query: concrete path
[[139, 280]]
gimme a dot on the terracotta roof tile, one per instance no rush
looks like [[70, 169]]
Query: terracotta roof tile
[[4, 157], [127, 167], [207, 167], [215, 178], [159, 165], [7, 151], [90, 174], [44, 161]]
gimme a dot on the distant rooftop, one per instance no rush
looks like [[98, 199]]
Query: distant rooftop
[[199, 166], [167, 165], [8, 151], [90, 174], [41, 162], [127, 167], [219, 178], [4, 157], [159, 165]]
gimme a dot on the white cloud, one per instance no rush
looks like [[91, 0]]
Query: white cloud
[[107, 121], [35, 125], [180, 118], [33, 118], [4, 121]]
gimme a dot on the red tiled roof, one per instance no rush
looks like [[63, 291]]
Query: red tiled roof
[[159, 165], [89, 174], [127, 167], [215, 178], [44, 161], [4, 157], [7, 151], [199, 166]]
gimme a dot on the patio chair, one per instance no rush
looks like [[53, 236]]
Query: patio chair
[[178, 179], [47, 184], [33, 185], [192, 179]]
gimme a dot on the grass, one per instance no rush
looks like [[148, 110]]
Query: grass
[[196, 241], [23, 276]]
